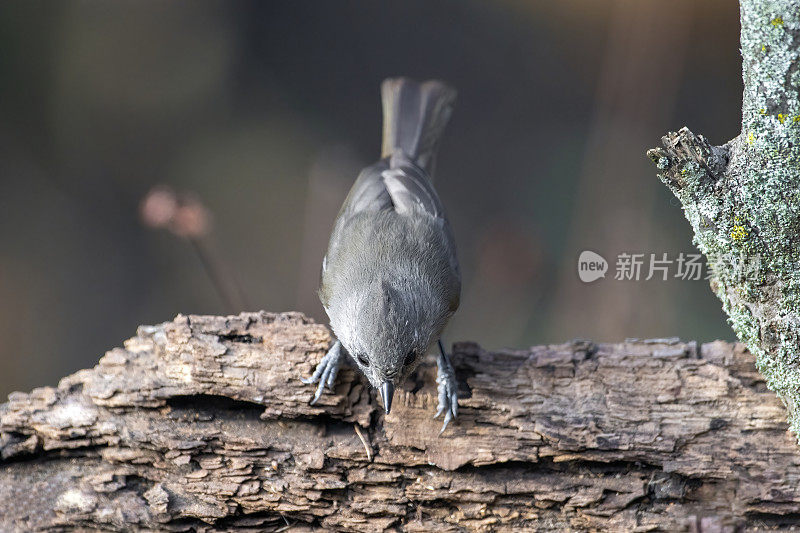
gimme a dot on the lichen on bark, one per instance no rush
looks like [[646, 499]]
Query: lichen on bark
[[743, 199]]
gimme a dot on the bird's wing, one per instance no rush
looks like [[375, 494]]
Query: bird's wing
[[368, 193], [411, 190], [412, 194]]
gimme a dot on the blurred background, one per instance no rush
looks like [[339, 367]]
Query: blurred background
[[259, 115]]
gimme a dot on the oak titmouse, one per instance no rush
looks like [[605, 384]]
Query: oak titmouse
[[390, 279]]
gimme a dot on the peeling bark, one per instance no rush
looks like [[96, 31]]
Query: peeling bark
[[202, 423], [743, 199]]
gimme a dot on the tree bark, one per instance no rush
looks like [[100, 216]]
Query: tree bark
[[743, 199], [202, 423]]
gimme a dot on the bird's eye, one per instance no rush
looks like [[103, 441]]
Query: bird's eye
[[410, 358], [362, 359]]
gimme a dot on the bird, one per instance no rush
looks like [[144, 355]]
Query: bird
[[390, 279]]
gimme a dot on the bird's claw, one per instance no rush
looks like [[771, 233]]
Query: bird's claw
[[326, 371], [448, 389]]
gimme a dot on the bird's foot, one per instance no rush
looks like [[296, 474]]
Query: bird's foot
[[448, 388], [326, 370]]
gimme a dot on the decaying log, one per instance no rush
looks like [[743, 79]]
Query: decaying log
[[202, 423]]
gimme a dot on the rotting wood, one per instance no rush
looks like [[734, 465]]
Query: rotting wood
[[202, 423]]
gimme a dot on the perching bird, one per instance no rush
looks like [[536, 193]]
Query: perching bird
[[390, 279]]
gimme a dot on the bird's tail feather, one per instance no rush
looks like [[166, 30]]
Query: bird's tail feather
[[414, 117]]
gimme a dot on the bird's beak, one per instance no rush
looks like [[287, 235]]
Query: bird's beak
[[387, 392]]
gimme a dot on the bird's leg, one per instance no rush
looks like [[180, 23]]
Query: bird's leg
[[448, 388], [326, 370]]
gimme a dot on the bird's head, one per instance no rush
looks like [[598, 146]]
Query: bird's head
[[387, 328]]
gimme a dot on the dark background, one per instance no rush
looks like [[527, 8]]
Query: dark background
[[267, 110]]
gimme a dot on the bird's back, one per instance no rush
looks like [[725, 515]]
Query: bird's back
[[392, 223]]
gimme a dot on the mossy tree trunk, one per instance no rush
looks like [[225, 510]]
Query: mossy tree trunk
[[743, 199]]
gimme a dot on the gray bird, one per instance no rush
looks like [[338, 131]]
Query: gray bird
[[390, 279]]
